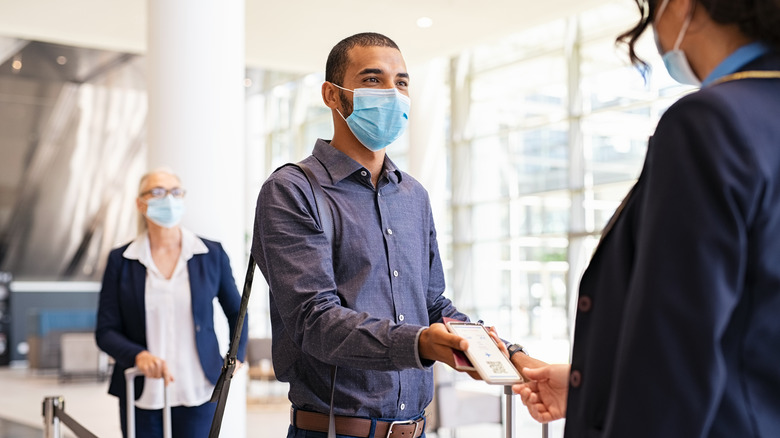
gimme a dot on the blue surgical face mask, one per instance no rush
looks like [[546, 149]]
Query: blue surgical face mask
[[165, 212], [379, 116], [675, 60]]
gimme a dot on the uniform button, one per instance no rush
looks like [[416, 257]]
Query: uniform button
[[584, 303], [389, 231], [575, 379], [400, 317], [395, 273], [403, 406], [363, 172], [197, 328]]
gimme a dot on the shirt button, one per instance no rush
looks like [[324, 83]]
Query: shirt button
[[575, 379], [363, 172], [389, 231], [395, 273], [584, 304], [403, 406], [197, 328], [400, 317]]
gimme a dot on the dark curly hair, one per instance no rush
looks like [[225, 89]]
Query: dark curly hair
[[757, 19]]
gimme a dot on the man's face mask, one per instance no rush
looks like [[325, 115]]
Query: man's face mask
[[379, 116]]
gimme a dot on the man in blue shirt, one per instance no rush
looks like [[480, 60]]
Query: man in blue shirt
[[363, 300]]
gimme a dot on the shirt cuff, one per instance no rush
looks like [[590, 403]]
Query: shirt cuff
[[406, 347], [421, 363]]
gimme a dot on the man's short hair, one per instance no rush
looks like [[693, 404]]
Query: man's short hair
[[336, 66]]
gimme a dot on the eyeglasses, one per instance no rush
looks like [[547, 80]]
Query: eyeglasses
[[160, 192]]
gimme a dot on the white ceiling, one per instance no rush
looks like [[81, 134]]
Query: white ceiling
[[293, 35]]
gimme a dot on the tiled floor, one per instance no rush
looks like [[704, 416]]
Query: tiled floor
[[22, 393], [12, 429]]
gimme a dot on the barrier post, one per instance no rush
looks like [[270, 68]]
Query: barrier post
[[510, 415], [509, 411], [51, 424]]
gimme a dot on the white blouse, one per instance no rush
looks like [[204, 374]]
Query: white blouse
[[170, 329]]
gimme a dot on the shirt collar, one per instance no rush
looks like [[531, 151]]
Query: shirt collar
[[139, 249], [340, 165], [191, 244], [738, 59]]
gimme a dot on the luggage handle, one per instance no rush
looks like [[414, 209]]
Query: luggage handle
[[130, 375]]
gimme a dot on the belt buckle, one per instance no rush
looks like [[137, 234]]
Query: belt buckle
[[403, 422]]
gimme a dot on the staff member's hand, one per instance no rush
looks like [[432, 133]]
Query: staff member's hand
[[545, 393], [153, 367]]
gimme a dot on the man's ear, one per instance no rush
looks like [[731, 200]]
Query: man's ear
[[330, 95]]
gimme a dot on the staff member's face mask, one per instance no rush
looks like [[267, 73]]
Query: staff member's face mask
[[379, 116], [675, 60]]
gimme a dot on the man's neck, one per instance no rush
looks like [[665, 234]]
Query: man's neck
[[349, 145]]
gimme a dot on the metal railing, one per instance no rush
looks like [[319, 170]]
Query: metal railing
[[54, 413]]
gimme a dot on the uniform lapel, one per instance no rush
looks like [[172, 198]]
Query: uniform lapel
[[615, 216]]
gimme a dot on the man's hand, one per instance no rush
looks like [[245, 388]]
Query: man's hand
[[521, 361], [152, 366], [437, 343], [545, 392]]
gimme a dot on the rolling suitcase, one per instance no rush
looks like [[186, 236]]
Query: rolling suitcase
[[130, 375]]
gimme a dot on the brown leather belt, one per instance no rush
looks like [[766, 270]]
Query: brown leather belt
[[355, 426]]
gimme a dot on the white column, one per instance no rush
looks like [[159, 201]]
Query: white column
[[427, 143], [195, 55]]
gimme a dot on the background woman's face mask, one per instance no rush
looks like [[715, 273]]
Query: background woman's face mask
[[379, 116], [165, 212]]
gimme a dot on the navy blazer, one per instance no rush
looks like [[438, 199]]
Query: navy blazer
[[121, 321], [678, 321]]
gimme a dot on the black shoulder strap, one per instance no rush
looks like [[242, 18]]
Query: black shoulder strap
[[320, 201], [222, 387], [326, 222]]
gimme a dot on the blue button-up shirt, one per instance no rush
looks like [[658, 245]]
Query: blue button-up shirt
[[359, 302]]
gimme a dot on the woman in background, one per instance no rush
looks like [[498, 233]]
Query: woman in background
[[156, 313]]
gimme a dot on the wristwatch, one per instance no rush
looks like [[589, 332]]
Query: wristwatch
[[516, 348]]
